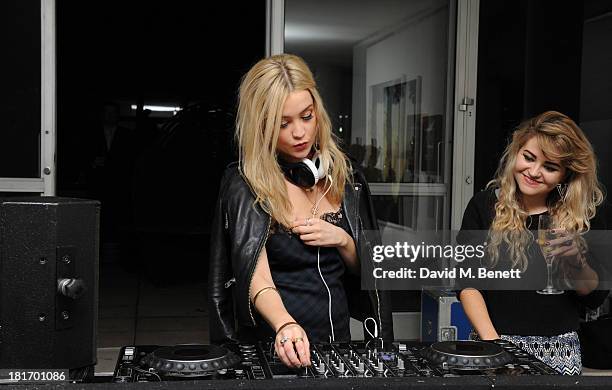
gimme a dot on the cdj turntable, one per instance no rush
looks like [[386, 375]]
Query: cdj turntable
[[329, 360]]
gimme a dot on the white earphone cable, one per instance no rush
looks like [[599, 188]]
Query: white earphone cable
[[329, 305], [329, 302]]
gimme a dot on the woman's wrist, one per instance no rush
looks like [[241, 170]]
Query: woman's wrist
[[286, 325], [344, 238], [491, 335], [278, 323]]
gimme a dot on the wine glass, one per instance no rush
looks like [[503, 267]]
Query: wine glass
[[545, 226]]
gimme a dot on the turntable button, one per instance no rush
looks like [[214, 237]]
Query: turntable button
[[180, 366], [192, 367]]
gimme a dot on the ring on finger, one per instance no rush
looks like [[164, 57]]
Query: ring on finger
[[296, 339], [283, 340]]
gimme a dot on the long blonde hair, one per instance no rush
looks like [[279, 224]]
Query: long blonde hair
[[560, 139], [262, 95]]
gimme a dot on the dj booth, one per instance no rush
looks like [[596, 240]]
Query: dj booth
[[54, 325], [444, 365]]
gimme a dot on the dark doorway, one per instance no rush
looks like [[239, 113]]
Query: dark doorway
[[156, 172]]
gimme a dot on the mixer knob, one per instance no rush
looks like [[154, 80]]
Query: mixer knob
[[360, 368], [400, 364], [180, 366], [476, 361], [465, 361], [167, 366], [452, 360], [204, 366], [192, 367]]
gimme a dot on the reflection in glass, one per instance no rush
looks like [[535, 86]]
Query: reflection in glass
[[409, 212], [385, 84]]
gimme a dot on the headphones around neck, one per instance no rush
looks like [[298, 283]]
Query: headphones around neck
[[305, 173]]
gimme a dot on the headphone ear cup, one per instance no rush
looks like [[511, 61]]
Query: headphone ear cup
[[305, 173], [314, 171], [318, 163], [302, 173]]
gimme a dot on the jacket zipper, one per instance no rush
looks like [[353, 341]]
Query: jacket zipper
[[229, 283], [261, 244]]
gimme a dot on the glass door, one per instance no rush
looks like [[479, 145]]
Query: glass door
[[392, 74], [386, 72]]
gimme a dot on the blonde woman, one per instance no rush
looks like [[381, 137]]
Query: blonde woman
[[549, 168], [289, 236]]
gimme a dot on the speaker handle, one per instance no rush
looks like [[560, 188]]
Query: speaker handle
[[70, 287]]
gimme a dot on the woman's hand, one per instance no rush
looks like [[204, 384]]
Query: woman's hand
[[317, 232], [292, 346], [565, 246]]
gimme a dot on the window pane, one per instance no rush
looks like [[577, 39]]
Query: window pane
[[20, 92]]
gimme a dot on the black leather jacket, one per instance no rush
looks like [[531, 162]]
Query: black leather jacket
[[238, 234]]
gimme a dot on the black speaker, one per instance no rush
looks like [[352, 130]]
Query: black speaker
[[48, 282]]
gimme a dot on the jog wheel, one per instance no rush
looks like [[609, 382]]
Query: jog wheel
[[190, 360], [467, 355]]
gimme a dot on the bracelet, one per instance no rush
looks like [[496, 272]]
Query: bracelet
[[263, 290], [286, 324]]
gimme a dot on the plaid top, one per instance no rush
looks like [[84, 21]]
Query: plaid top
[[293, 265]]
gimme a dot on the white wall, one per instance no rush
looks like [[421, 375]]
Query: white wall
[[417, 48]]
